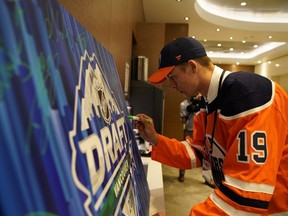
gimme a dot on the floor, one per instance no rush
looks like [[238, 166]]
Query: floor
[[181, 196]]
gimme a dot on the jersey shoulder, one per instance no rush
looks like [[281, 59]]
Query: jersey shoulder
[[242, 91]]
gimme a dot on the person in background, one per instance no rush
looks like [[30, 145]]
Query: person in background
[[246, 132], [186, 119], [188, 108]]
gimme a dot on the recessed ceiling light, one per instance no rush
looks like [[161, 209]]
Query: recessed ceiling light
[[178, 0], [231, 38], [217, 29], [269, 62], [259, 62], [193, 37], [237, 63], [243, 41], [231, 49], [219, 45], [186, 18], [243, 4], [255, 46], [270, 37], [205, 40], [277, 65]]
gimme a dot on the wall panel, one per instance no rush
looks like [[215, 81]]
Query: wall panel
[[111, 23]]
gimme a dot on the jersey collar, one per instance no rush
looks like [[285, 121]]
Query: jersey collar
[[213, 87]]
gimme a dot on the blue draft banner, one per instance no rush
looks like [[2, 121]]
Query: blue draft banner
[[67, 147]]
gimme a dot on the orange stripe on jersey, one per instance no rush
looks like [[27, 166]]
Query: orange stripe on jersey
[[180, 154]]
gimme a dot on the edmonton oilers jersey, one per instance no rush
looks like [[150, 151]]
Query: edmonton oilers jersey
[[245, 137]]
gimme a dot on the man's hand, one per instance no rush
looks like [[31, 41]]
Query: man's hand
[[146, 129]]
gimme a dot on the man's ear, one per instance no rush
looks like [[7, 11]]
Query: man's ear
[[192, 64]]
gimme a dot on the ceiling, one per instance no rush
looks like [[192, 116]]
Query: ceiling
[[257, 31]]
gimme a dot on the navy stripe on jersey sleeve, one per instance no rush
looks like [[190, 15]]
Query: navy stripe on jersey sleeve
[[242, 200], [242, 91]]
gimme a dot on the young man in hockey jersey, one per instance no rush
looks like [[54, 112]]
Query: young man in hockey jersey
[[246, 131]]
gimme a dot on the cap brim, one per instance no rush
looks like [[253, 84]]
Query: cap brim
[[160, 75]]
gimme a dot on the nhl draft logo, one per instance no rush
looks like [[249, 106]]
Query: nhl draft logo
[[99, 140]]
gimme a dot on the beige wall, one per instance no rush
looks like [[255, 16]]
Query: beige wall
[[248, 68], [277, 74], [111, 23], [149, 40], [282, 80]]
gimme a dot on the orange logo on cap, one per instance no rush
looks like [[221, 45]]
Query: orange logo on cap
[[178, 58]]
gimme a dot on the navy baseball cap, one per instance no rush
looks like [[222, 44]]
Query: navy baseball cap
[[174, 53]]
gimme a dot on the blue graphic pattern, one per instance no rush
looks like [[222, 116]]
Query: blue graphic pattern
[[40, 49]]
